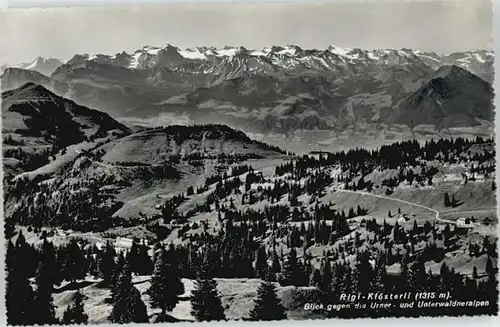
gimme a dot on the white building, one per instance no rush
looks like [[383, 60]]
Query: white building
[[464, 222]]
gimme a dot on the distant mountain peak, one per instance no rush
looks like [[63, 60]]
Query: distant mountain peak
[[339, 50], [43, 65], [450, 70], [170, 47]]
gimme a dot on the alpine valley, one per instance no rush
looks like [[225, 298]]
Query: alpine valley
[[226, 183]]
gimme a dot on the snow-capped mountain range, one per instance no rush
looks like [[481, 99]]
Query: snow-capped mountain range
[[290, 57], [284, 91]]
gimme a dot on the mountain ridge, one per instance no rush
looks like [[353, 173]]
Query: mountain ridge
[[285, 55], [38, 125], [281, 90]]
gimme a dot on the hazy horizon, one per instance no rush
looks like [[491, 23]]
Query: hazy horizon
[[434, 26]]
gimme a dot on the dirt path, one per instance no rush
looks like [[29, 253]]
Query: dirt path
[[401, 201]]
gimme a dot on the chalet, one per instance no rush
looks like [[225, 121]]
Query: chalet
[[464, 223], [403, 218]]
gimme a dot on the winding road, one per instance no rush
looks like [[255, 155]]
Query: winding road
[[338, 190], [401, 201]]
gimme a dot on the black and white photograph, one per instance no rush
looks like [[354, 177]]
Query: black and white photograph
[[264, 161]]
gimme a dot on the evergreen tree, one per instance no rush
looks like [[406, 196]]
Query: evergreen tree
[[419, 275], [144, 264], [289, 269], [117, 271], [43, 308], [363, 272], [205, 300], [48, 256], [11, 257], [74, 266], [261, 266], [75, 314], [490, 270], [378, 283], [127, 304], [18, 291], [106, 264], [403, 283], [267, 305], [447, 202], [28, 254], [166, 285], [275, 265], [326, 278], [315, 278], [132, 256]]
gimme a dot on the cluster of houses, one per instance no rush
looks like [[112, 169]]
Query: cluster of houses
[[461, 222]]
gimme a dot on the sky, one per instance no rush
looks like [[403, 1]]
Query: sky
[[440, 26]]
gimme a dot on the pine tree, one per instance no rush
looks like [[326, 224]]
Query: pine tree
[[267, 305], [28, 255], [127, 304], [447, 202], [289, 269], [18, 291], [74, 263], [378, 283], [315, 278], [43, 308], [275, 265], [405, 278], [326, 278], [363, 272], [205, 301], [75, 314], [132, 256], [166, 285], [48, 256], [11, 257], [117, 271], [490, 270], [106, 264], [261, 266], [419, 275], [144, 264]]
